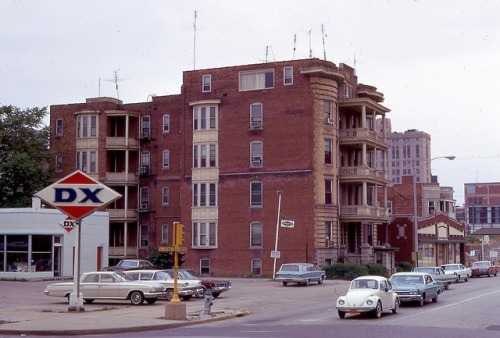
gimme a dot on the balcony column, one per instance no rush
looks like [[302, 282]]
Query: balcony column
[[365, 194], [127, 151], [363, 117]]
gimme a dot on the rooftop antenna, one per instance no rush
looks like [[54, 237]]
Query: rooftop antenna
[[294, 45], [310, 48], [194, 41], [323, 36], [115, 80], [267, 52]]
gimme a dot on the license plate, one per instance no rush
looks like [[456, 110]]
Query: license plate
[[353, 311]]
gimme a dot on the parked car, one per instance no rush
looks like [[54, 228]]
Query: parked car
[[368, 294], [216, 286], [300, 273], [193, 284], [458, 270], [131, 264], [416, 287], [486, 268], [162, 277], [437, 273], [109, 285]]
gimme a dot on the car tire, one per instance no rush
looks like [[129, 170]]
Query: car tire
[[136, 298], [187, 297], [216, 294], [435, 299], [285, 283], [377, 313], [466, 279], [321, 280], [341, 314], [306, 283], [201, 295], [88, 300], [151, 300], [422, 300], [447, 286], [396, 306], [169, 295]]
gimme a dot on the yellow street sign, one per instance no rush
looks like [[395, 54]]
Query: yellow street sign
[[182, 248], [166, 248]]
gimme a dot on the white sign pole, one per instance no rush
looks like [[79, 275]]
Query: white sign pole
[[75, 298], [277, 231]]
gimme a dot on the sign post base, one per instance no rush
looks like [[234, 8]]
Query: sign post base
[[75, 302], [175, 311]]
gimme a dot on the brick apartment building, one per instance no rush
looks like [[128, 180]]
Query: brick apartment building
[[482, 208], [218, 156]]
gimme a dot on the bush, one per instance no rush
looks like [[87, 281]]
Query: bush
[[404, 267], [377, 269], [345, 271]]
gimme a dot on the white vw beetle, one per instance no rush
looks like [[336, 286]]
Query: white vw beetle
[[368, 294]]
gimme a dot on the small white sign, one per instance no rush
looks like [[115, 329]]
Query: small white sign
[[275, 254], [286, 223]]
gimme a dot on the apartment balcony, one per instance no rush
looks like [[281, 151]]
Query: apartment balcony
[[356, 174], [122, 143], [353, 213], [113, 178], [119, 251], [362, 135], [122, 215]]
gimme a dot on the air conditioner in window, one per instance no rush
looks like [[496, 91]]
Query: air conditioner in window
[[256, 161], [145, 135], [144, 170], [329, 121], [256, 124], [144, 205]]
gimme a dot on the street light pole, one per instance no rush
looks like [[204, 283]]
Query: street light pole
[[415, 214]]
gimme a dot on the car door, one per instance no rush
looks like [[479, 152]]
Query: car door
[[108, 287], [385, 297], [431, 286], [89, 286]]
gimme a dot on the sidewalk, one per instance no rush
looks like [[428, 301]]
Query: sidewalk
[[112, 320]]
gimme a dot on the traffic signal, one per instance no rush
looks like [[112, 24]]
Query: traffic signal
[[170, 259], [180, 258], [178, 234]]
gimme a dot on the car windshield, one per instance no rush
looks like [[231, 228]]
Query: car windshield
[[427, 270], [289, 267], [450, 267], [407, 279], [131, 264], [481, 264], [187, 274], [364, 284]]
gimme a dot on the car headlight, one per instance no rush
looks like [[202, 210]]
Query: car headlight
[[341, 302], [413, 292], [369, 302]]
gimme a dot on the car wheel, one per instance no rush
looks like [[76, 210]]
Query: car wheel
[[201, 294], [435, 299], [447, 286], [396, 306], [306, 283], [216, 294], [169, 294], [88, 300], [186, 297], [151, 300], [489, 273], [466, 279], [378, 310], [422, 300], [341, 314], [321, 280], [136, 298], [285, 283]]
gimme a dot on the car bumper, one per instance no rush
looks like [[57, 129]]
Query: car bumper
[[290, 279], [153, 295], [410, 298], [355, 310], [480, 273]]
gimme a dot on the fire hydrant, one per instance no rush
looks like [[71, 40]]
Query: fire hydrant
[[208, 302]]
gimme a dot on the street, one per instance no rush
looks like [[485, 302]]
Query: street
[[465, 310]]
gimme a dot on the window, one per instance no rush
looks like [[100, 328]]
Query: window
[[207, 83], [256, 115], [166, 159], [86, 161], [144, 198], [254, 80], [164, 233], [205, 266], [166, 124], [204, 234], [431, 207], [146, 127], [59, 127], [255, 194], [256, 240], [328, 230], [86, 126], [144, 242], [145, 162], [256, 267], [256, 154], [59, 159], [328, 191], [328, 151], [205, 156], [204, 194], [164, 196], [204, 118], [328, 111], [288, 75]]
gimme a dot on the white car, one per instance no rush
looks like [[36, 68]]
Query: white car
[[458, 270], [109, 285], [368, 294]]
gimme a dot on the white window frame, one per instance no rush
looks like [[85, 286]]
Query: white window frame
[[165, 196], [59, 127], [87, 126], [145, 127], [166, 159], [205, 117], [256, 115], [205, 194], [59, 161], [256, 79], [144, 236], [256, 230], [165, 231], [254, 203], [256, 154], [205, 266], [86, 161], [254, 262], [166, 123], [206, 85], [287, 76], [205, 234]]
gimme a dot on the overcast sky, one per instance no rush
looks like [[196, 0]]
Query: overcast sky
[[436, 62]]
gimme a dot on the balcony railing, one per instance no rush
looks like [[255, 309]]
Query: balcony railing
[[126, 178], [119, 251], [363, 212], [122, 143], [122, 214], [360, 135], [357, 173]]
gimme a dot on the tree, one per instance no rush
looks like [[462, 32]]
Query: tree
[[24, 155]]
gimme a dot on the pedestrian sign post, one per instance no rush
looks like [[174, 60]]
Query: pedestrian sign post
[[77, 195]]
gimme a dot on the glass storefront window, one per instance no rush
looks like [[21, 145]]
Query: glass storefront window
[[17, 256]]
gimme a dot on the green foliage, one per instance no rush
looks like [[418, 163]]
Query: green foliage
[[160, 259], [404, 267], [24, 155], [346, 271], [376, 269]]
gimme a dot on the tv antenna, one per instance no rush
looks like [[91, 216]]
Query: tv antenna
[[294, 45], [116, 79], [194, 41], [323, 37], [310, 47]]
